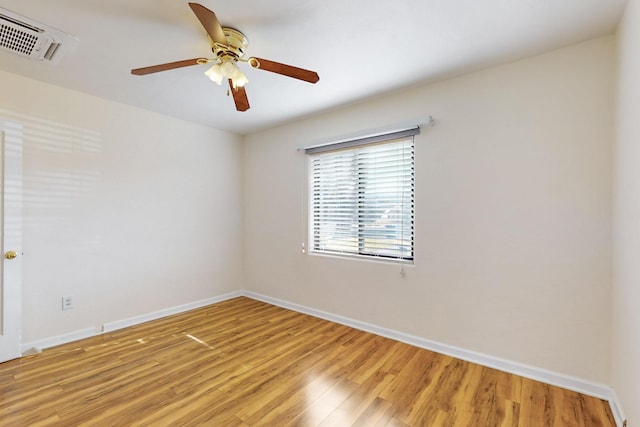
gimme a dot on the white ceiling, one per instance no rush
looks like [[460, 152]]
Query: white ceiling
[[360, 48]]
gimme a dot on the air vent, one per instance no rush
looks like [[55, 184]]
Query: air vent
[[30, 39]]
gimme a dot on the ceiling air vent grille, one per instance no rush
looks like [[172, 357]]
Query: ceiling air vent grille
[[31, 39], [18, 41]]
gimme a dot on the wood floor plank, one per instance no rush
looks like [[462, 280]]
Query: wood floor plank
[[358, 401], [377, 414], [246, 363], [325, 388]]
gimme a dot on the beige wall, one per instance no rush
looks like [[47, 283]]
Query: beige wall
[[127, 211], [513, 222], [626, 284]]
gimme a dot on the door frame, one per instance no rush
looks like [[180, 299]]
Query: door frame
[[11, 139]]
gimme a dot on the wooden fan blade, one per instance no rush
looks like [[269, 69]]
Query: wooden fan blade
[[168, 66], [285, 70], [239, 97], [210, 23]]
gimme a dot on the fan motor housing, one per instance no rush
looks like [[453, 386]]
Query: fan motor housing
[[235, 47]]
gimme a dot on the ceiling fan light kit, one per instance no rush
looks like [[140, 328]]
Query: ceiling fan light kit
[[228, 70], [228, 47]]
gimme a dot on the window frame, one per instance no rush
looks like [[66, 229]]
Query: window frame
[[407, 208]]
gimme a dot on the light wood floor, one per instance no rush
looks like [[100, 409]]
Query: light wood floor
[[246, 363]]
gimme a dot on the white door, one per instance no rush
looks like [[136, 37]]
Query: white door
[[11, 229]]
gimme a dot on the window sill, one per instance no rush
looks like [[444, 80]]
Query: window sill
[[366, 258]]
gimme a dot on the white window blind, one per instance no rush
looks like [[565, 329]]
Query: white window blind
[[362, 197]]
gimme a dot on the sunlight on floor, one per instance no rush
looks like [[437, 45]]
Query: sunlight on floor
[[323, 396], [199, 341]]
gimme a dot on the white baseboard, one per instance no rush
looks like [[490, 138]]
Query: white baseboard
[[38, 345], [136, 320], [579, 385], [616, 409], [589, 388]]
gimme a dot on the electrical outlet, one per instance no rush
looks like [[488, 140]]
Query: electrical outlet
[[67, 303]]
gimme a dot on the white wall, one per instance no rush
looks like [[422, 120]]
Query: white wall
[[626, 284], [513, 222], [128, 211]]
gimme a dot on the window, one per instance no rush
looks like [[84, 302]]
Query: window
[[362, 197]]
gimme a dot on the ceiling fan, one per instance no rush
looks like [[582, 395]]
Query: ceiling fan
[[228, 46]]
